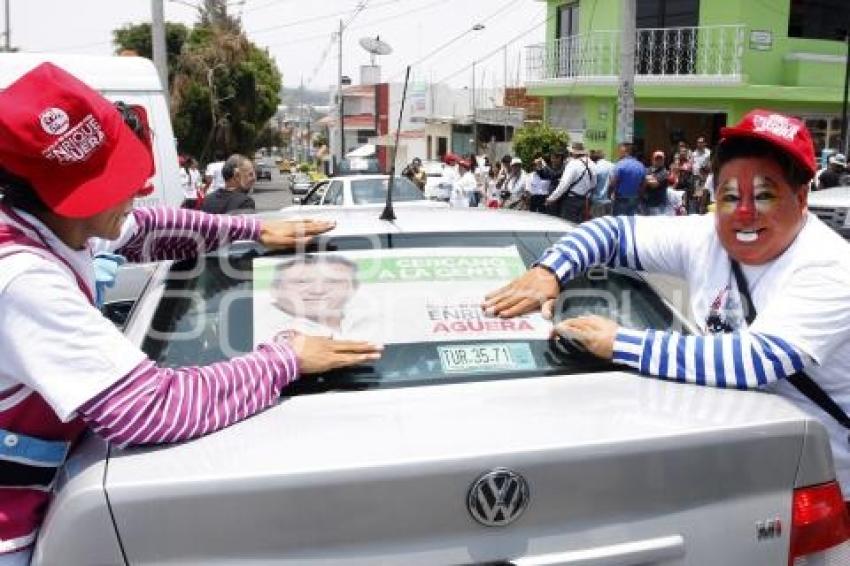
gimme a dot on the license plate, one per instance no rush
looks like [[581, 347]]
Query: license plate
[[486, 357]]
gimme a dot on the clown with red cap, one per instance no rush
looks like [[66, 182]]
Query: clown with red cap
[[70, 167], [769, 282]]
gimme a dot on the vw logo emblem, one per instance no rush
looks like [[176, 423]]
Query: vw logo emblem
[[498, 498]]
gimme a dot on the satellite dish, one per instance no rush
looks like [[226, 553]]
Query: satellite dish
[[375, 46]]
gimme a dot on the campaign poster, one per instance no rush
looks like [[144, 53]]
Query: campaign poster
[[390, 296]]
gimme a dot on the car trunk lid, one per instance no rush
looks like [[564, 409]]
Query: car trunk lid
[[619, 470]]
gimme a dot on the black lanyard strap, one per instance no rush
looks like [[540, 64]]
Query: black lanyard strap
[[801, 380]]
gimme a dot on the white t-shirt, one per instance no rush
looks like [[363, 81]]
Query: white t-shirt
[[581, 174], [536, 185], [51, 339], [700, 159], [803, 297], [187, 184], [462, 189], [214, 170]]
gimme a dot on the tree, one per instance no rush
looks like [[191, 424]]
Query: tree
[[531, 141], [137, 37], [270, 136], [224, 89]]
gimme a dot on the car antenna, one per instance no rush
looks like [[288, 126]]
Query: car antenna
[[388, 213]]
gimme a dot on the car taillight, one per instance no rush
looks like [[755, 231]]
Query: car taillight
[[820, 527]]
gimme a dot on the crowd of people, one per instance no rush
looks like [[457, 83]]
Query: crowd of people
[[224, 188], [578, 184]]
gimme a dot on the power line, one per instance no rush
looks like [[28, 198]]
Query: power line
[[457, 38], [364, 25], [264, 6], [495, 51], [318, 18], [361, 5]]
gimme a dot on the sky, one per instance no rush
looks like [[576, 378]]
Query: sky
[[435, 36]]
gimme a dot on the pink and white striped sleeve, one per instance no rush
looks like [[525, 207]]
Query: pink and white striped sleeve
[[154, 405], [180, 233]]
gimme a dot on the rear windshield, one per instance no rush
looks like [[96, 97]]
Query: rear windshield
[[419, 295], [370, 191]]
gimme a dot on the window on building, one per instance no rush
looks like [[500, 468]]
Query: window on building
[[818, 19], [567, 31], [567, 22], [667, 13], [442, 146], [662, 46], [430, 148], [825, 130]]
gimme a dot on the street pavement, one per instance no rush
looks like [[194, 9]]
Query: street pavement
[[274, 194]]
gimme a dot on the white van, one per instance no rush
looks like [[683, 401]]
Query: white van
[[133, 80]]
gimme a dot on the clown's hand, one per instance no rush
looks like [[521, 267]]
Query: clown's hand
[[596, 333], [536, 289]]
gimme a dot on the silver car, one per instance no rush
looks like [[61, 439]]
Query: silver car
[[514, 450]]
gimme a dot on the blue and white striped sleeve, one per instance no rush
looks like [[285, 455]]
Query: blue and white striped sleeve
[[604, 241], [740, 360]]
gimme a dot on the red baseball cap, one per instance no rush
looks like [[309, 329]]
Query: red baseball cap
[[786, 133], [70, 143]]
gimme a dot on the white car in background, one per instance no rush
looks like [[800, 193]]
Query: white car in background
[[362, 190], [434, 172], [833, 207]]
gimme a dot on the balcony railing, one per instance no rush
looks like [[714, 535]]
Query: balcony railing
[[661, 55]]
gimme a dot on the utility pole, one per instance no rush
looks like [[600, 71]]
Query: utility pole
[[7, 45], [626, 91], [474, 117], [505, 94], [301, 146], [844, 104], [160, 59], [340, 102]]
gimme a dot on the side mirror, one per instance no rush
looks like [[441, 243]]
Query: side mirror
[[297, 200]]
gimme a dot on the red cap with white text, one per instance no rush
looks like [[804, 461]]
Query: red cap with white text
[[786, 133], [70, 143]]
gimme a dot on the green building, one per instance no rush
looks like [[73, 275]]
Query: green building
[[699, 65]]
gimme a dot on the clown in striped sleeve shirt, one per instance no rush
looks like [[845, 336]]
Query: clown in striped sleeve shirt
[[785, 338]]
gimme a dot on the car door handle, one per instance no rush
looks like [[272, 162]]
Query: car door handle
[[642, 552]]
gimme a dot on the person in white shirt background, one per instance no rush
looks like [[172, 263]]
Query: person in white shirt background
[[572, 195], [538, 188], [190, 182], [213, 178], [701, 156], [513, 185], [600, 201], [464, 186], [769, 282]]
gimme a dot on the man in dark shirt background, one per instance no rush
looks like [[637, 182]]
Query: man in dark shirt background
[[239, 178], [655, 190], [831, 177]]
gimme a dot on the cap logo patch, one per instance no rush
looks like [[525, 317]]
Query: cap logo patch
[[78, 143], [777, 125], [54, 121]]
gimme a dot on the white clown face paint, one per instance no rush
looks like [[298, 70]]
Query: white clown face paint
[[758, 213]]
